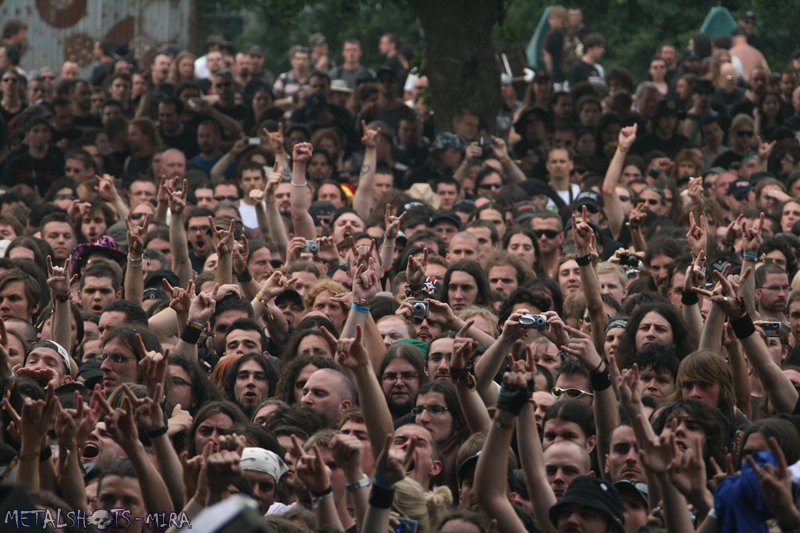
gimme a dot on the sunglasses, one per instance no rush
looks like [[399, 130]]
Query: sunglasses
[[229, 198], [63, 197], [569, 392], [433, 409], [593, 209], [549, 233], [489, 186], [744, 133], [624, 198], [138, 216], [650, 201]]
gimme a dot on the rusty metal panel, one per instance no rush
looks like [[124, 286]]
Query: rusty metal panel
[[61, 30]]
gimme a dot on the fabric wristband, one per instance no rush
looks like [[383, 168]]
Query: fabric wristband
[[513, 401], [380, 497], [743, 326], [750, 255], [690, 298], [190, 334], [601, 380], [360, 308], [584, 260], [157, 432], [245, 276]]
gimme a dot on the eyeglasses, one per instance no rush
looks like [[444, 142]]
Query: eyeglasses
[[433, 409], [180, 382], [63, 197], [404, 376], [776, 288], [489, 186], [549, 233], [437, 357], [115, 357], [733, 77], [744, 133], [570, 393], [229, 198], [624, 198], [201, 229]]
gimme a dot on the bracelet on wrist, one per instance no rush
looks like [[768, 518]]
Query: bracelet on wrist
[[622, 149], [502, 425], [743, 326], [381, 497], [61, 298], [358, 485], [157, 432], [584, 260], [199, 499], [299, 184], [690, 298], [245, 276], [359, 308], [190, 334]]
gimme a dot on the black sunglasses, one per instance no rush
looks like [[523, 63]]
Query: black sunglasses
[[223, 198], [549, 233]]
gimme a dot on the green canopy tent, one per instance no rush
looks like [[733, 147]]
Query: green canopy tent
[[719, 21]]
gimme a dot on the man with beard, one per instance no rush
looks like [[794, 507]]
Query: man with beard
[[198, 232], [174, 133], [658, 259], [209, 134], [438, 360], [249, 381], [772, 289], [401, 373]]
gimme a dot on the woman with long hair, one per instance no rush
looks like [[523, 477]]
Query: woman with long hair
[[768, 114], [182, 68]]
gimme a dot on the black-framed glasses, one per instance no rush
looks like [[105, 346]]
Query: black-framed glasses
[[178, 381], [434, 409], [115, 357], [405, 376], [549, 233], [490, 186], [649, 201], [776, 288], [573, 393], [744, 133], [229, 198]]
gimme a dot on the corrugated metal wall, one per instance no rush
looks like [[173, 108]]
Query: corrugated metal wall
[[59, 30]]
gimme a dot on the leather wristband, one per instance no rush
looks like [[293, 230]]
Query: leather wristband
[[380, 497], [690, 298], [600, 380], [743, 326], [190, 334], [325, 492], [45, 454], [245, 276], [584, 260], [157, 432], [513, 401]]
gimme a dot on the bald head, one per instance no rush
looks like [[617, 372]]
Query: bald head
[[174, 163], [463, 245], [329, 393]]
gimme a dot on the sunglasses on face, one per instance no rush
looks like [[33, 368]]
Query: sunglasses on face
[[489, 186], [593, 209], [549, 233], [229, 198], [223, 85], [433, 409], [570, 393], [624, 198], [650, 201], [744, 133], [138, 216]]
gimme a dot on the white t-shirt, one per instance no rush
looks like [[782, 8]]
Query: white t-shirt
[[565, 195], [248, 213]]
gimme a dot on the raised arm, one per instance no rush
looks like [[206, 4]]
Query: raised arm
[[392, 224], [59, 281], [108, 192], [390, 467], [461, 370], [492, 359], [223, 242], [363, 202], [301, 219], [695, 277], [500, 150], [613, 206], [590, 283], [221, 166], [134, 280], [490, 473], [739, 372], [178, 242], [276, 143], [276, 228]]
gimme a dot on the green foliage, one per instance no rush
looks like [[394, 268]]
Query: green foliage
[[635, 28], [283, 23]]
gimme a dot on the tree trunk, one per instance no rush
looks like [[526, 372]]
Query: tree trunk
[[459, 58]]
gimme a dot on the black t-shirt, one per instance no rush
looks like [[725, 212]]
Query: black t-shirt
[[71, 134], [204, 84], [726, 159], [651, 141], [582, 71], [89, 121], [36, 173], [554, 45], [237, 112], [185, 141]]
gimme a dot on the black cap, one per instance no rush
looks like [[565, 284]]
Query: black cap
[[749, 15], [632, 486], [691, 55], [448, 216], [664, 108], [464, 205], [532, 113], [321, 209], [154, 278], [588, 198], [153, 293], [385, 70], [703, 86], [289, 294], [341, 211], [594, 493], [523, 211], [738, 189]]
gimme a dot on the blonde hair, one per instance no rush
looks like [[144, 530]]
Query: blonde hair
[[324, 284], [611, 268], [474, 310], [427, 508]]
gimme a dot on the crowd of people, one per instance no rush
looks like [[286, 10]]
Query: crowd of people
[[228, 291]]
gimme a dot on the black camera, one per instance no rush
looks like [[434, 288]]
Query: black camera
[[530, 321], [771, 329], [629, 260], [311, 247], [420, 309]]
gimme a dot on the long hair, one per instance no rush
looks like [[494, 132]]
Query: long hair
[[784, 432], [269, 370], [537, 253], [289, 351], [705, 366], [459, 431], [473, 268], [230, 409], [682, 338]]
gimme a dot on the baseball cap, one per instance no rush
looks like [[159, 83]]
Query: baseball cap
[[446, 216], [321, 208], [523, 211], [53, 345], [154, 278], [589, 199], [153, 293], [691, 55], [632, 486], [592, 492], [385, 70], [316, 102], [464, 206], [738, 189], [447, 140], [749, 15], [256, 51], [289, 295], [339, 86], [264, 461]]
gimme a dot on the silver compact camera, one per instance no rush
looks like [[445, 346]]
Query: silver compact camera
[[531, 321], [311, 247], [420, 309]]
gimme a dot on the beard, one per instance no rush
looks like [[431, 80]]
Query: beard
[[398, 409]]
